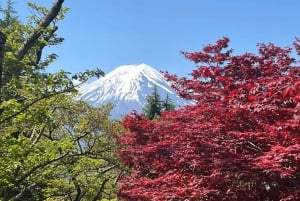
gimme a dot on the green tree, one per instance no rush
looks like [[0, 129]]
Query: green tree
[[153, 106], [52, 146], [168, 104], [59, 149], [9, 15], [22, 44]]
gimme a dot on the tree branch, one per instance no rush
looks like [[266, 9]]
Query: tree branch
[[99, 193], [35, 139], [78, 190], [40, 50], [40, 166], [39, 30], [2, 50], [20, 195], [108, 169], [32, 103]]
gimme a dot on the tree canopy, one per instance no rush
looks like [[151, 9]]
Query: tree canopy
[[52, 146], [240, 141], [155, 106]]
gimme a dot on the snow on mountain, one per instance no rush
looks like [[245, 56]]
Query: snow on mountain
[[127, 87]]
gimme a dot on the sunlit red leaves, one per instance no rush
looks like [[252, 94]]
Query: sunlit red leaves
[[197, 57], [289, 92], [251, 98], [240, 141], [292, 92], [291, 196], [281, 161], [297, 45], [218, 47], [211, 53]]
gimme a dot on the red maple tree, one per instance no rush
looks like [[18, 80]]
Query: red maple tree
[[240, 141]]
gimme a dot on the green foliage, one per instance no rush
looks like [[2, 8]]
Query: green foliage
[[9, 15], [155, 106], [53, 147], [167, 104]]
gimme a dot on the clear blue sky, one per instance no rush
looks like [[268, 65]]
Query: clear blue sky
[[109, 33]]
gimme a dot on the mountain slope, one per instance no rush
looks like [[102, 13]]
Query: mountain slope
[[127, 87]]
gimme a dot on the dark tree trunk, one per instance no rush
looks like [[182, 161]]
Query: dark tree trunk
[[39, 30]]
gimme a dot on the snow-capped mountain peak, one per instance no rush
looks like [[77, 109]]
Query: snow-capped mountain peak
[[127, 87]]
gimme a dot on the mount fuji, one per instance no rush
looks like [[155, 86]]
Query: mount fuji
[[126, 88]]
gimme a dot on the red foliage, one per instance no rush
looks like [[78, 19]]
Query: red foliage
[[240, 141]]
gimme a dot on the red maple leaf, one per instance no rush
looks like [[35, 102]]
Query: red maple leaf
[[240, 141]]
